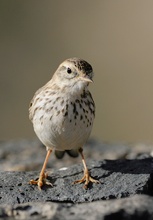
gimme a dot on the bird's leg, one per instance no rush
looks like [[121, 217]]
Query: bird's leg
[[86, 178], [42, 176]]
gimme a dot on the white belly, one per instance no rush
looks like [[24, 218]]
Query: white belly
[[63, 130]]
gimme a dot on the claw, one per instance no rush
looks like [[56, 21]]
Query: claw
[[87, 179], [41, 181]]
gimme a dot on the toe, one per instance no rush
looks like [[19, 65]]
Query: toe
[[87, 179], [93, 180], [40, 184], [79, 181], [33, 182]]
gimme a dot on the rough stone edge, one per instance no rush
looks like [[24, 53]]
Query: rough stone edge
[[133, 207]]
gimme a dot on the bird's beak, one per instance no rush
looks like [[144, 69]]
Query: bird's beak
[[86, 78]]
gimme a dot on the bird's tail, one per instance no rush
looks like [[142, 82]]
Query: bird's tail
[[72, 153]]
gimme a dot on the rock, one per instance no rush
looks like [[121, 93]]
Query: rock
[[135, 207], [119, 178], [28, 155], [139, 149]]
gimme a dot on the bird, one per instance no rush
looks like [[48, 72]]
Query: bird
[[62, 113]]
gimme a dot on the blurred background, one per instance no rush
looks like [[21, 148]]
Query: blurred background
[[116, 37]]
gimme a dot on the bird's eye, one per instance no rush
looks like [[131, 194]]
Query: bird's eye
[[69, 70]]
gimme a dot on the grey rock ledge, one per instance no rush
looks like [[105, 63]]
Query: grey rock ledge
[[119, 178]]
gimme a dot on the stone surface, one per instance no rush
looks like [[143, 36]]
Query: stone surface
[[119, 178], [28, 155], [133, 208], [21, 160]]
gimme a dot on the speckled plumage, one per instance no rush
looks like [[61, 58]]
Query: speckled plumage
[[63, 110], [63, 120]]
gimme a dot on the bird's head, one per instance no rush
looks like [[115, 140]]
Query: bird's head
[[74, 74]]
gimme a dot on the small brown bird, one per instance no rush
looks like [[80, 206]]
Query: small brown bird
[[62, 113]]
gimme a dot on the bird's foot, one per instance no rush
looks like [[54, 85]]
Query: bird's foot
[[87, 179], [41, 181]]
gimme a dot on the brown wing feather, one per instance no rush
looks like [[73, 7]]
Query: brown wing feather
[[31, 108]]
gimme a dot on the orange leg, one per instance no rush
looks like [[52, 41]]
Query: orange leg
[[86, 178], [42, 176]]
